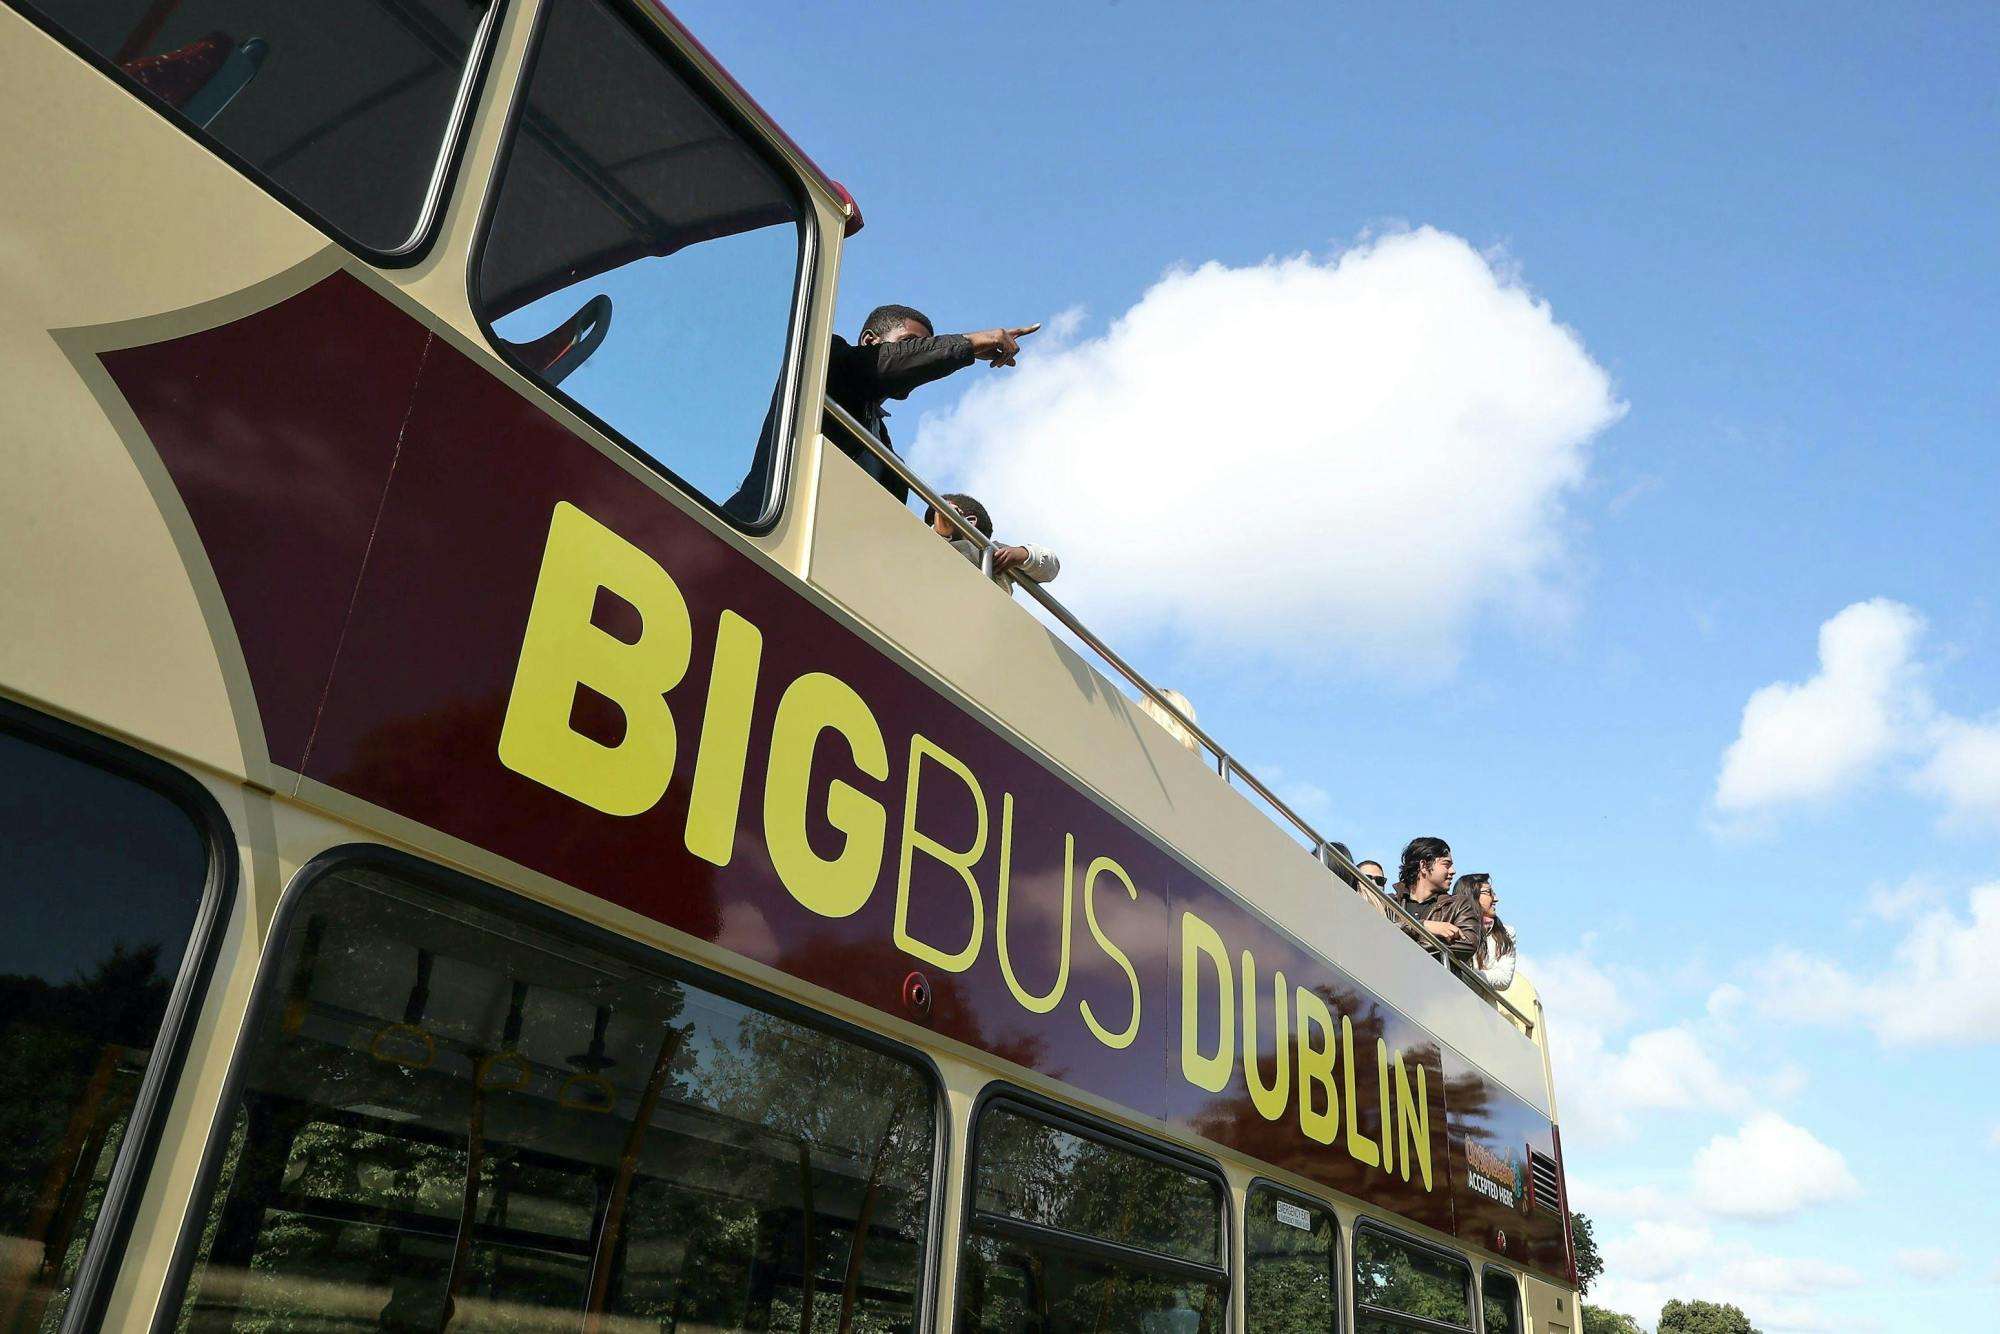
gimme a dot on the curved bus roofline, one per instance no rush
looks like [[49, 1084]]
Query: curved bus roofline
[[1226, 764]]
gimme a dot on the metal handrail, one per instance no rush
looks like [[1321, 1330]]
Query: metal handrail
[[1226, 764]]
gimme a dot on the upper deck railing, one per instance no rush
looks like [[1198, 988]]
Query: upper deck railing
[[1227, 766]]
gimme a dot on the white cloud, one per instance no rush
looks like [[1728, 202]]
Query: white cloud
[[1995, 1137], [1605, 1078], [1964, 770], [1929, 1264], [1769, 1169], [1302, 458], [1938, 986], [1816, 738], [1656, 1260]]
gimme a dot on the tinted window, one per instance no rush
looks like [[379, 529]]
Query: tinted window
[[102, 880], [453, 1117], [1393, 1277], [1291, 1254], [1502, 1301], [345, 107], [1074, 1232], [643, 256]]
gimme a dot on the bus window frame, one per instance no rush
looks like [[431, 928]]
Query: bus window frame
[[131, 1169], [1086, 1125], [445, 168], [1342, 1263], [1367, 1223], [651, 22], [267, 998], [1520, 1314]]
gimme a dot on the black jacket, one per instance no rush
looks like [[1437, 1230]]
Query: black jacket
[[862, 376]]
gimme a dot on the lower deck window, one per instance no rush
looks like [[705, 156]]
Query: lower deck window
[[101, 885], [1291, 1250], [1501, 1302], [1074, 1232], [1395, 1279], [453, 1117]]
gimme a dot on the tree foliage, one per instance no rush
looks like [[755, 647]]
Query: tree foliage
[[1589, 1264], [1599, 1320], [1693, 1317]]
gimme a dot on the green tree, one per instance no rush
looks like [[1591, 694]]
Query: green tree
[[1589, 1264], [1598, 1320], [1678, 1317]]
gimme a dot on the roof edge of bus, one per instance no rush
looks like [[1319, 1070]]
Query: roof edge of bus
[[833, 187]]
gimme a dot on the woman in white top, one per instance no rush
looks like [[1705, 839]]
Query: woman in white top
[[1495, 957]]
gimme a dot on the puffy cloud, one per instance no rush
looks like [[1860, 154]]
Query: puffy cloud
[[1818, 737], [1607, 1078], [1929, 1264], [1768, 1169], [1938, 986], [1964, 769], [1659, 1259], [1304, 458]]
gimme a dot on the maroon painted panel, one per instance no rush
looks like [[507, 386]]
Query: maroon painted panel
[[279, 430], [414, 712]]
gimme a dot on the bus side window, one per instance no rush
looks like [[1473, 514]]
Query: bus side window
[[1074, 1231], [455, 1114], [644, 256], [102, 881], [1396, 1278], [1291, 1263], [345, 108], [1501, 1301]]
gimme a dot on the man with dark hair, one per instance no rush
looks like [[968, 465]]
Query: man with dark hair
[[1423, 890], [1038, 564], [900, 352]]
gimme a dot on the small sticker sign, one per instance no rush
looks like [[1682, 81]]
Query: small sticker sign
[[1293, 1216]]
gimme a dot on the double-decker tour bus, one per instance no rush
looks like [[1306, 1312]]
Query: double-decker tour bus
[[474, 861]]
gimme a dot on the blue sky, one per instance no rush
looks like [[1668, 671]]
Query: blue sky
[[1730, 280]]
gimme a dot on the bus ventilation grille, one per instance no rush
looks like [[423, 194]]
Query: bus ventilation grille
[[1546, 1196]]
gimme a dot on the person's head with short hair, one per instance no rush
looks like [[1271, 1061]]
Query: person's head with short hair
[[892, 324], [1372, 871], [969, 507], [1426, 868]]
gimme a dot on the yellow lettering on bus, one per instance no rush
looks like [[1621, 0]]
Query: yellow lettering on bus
[[562, 651], [962, 861], [1316, 1069], [1382, 1093], [1106, 866], [1359, 1146], [1270, 1101], [1413, 1119], [717, 797], [1206, 1072], [835, 887], [1029, 1001]]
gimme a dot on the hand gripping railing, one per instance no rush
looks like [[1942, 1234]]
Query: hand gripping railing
[[1226, 765]]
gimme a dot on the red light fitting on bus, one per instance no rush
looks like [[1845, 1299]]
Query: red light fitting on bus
[[1500, 1240], [917, 996]]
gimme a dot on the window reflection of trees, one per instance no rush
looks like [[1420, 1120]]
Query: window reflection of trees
[[1288, 1271], [457, 1122], [1396, 1277], [1075, 1233]]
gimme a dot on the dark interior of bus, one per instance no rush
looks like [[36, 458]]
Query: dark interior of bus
[[451, 1119]]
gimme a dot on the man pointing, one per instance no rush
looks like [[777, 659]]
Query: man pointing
[[899, 352]]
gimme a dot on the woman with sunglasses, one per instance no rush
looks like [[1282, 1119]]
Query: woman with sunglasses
[[1494, 956]]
